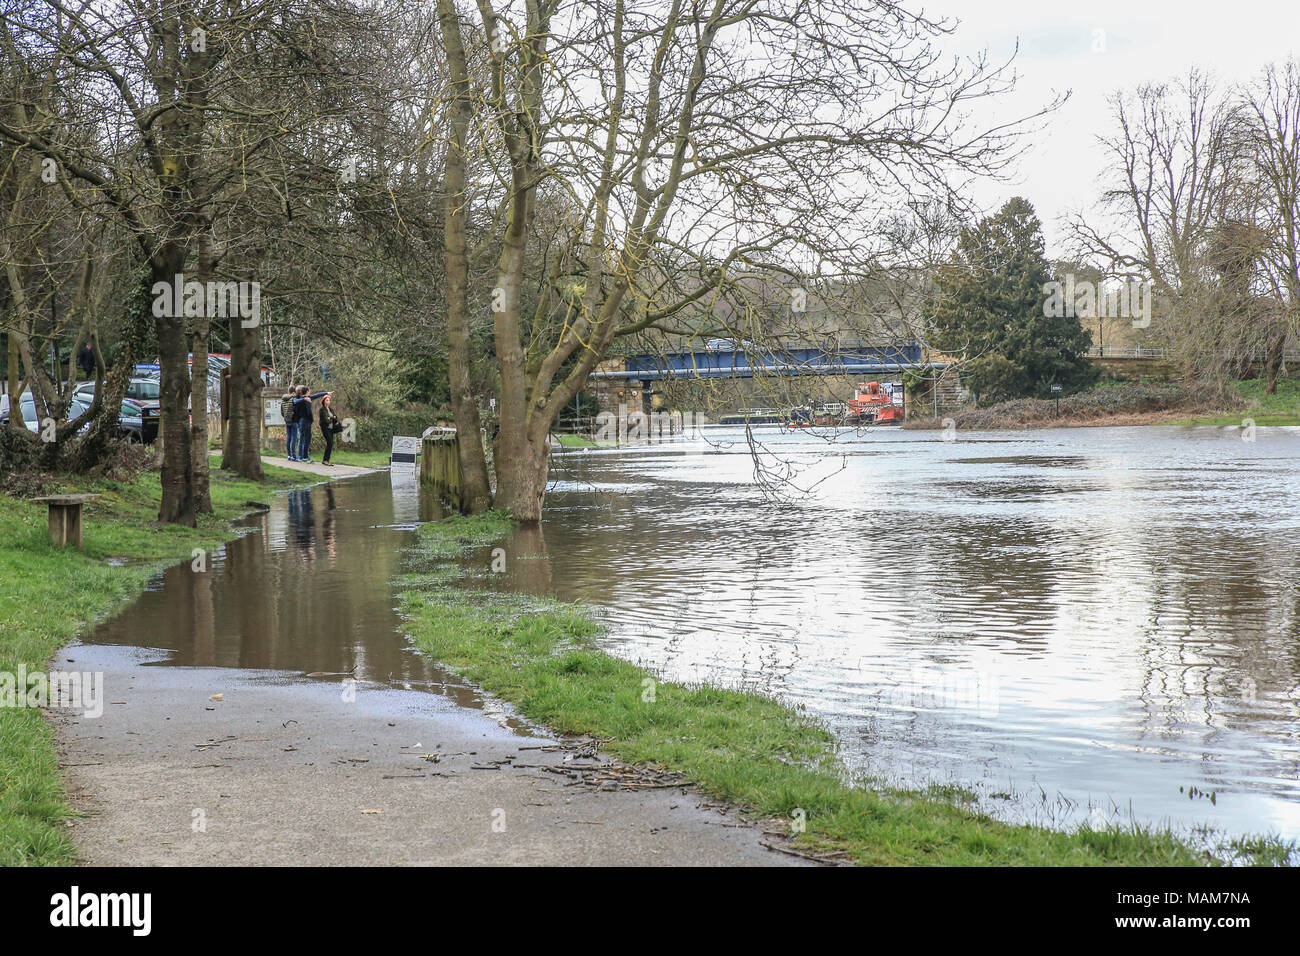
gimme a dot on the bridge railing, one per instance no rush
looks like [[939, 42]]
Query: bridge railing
[[1291, 355], [1128, 352]]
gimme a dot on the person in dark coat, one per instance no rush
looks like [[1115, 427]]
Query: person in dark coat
[[86, 359], [290, 429], [302, 419], [329, 426]]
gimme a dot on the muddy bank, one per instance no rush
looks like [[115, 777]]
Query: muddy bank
[[1128, 404]]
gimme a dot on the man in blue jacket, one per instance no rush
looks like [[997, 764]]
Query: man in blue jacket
[[302, 421]]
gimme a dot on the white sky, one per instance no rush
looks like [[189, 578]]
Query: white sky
[[1145, 41]]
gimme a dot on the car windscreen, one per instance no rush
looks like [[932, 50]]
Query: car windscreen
[[146, 390]]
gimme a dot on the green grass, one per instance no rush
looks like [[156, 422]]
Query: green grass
[[575, 441], [771, 760], [1282, 408], [50, 594]]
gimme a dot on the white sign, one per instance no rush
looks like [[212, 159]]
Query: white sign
[[404, 460], [272, 414]]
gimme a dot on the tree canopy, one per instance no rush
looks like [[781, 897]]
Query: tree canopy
[[990, 311]]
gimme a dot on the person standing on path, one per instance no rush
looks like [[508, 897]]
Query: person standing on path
[[329, 426], [302, 417], [290, 429]]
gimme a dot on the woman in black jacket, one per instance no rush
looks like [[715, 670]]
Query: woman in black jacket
[[329, 426]]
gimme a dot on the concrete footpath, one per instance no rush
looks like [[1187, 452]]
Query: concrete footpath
[[201, 765], [216, 766], [315, 467]]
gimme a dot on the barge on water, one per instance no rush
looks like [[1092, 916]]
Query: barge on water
[[873, 403]]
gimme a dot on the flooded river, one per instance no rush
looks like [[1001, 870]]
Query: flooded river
[[1074, 625]]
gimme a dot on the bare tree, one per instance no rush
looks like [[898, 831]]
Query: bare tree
[[1272, 108], [192, 101], [1171, 159], [735, 135], [56, 269]]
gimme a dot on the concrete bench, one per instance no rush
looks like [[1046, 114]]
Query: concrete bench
[[65, 517]]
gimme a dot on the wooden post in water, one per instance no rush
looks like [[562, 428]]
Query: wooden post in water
[[440, 465]]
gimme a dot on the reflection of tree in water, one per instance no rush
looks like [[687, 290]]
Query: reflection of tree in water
[[327, 525], [1222, 649], [528, 565], [981, 577], [616, 555], [204, 620]]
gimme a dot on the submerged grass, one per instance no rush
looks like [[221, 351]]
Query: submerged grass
[[1280, 408], [50, 594], [773, 761]]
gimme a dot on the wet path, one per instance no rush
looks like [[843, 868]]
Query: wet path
[[265, 708]]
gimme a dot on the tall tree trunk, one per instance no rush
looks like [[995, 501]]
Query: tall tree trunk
[[15, 420], [477, 492], [242, 452], [177, 505], [1273, 361], [199, 385], [517, 487], [521, 477]]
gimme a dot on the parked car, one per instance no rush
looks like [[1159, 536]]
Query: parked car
[[218, 365], [153, 374], [140, 388], [138, 421], [27, 406]]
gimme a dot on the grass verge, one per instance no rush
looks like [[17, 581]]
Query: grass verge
[[361, 459], [1281, 408], [742, 747], [580, 441], [50, 594], [1133, 403], [340, 456]]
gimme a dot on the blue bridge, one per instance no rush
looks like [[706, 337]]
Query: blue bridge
[[734, 362]]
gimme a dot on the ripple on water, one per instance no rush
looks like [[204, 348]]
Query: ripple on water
[[1107, 615]]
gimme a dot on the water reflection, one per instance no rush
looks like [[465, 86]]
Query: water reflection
[[306, 590], [1071, 622]]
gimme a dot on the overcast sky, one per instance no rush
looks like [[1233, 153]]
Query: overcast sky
[[1142, 41]]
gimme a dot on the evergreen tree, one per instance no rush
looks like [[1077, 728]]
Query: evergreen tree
[[989, 311]]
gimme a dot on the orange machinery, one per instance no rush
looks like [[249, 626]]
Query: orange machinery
[[872, 405]]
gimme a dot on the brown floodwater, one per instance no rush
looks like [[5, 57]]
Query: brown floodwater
[[305, 590], [1073, 625]]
